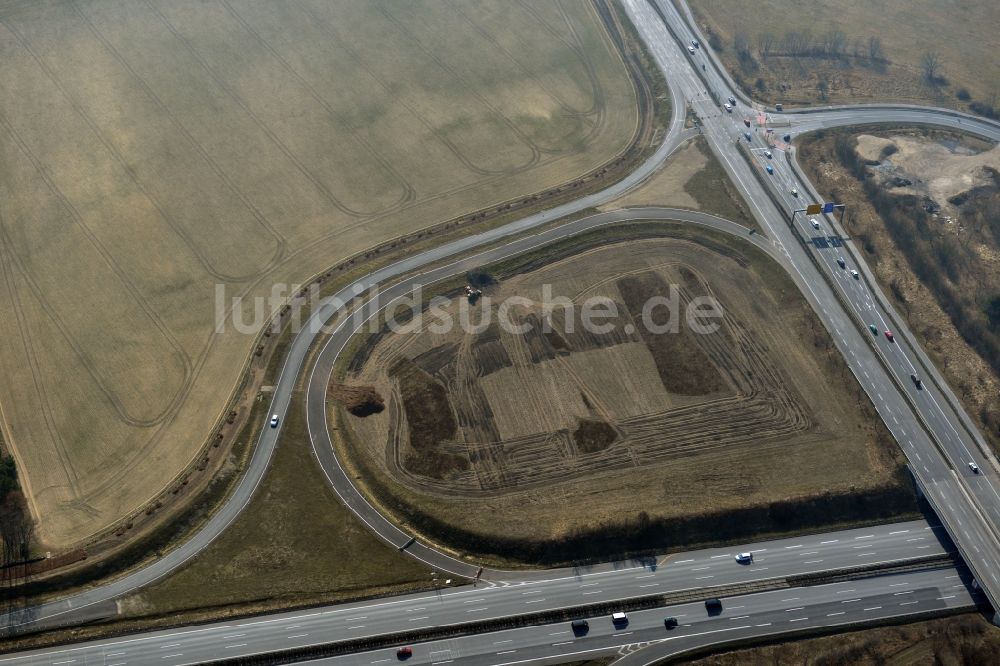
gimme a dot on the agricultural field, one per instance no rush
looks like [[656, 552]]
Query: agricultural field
[[155, 154], [852, 51], [542, 433], [924, 209]]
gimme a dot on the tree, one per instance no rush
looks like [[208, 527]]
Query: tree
[[765, 42], [823, 87], [930, 63], [833, 43], [992, 310], [741, 42], [876, 52]]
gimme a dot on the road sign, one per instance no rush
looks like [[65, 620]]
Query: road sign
[[828, 207], [813, 209]]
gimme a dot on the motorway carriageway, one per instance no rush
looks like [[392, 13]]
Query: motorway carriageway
[[562, 589], [745, 616]]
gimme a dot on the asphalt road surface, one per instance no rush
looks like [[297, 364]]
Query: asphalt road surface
[[937, 437], [698, 571]]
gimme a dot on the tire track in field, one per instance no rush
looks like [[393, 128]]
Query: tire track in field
[[202, 152], [763, 412], [119, 274], [122, 162], [596, 124], [433, 130], [320, 186], [408, 193], [536, 153], [27, 341]]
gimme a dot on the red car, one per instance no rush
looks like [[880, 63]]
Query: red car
[[888, 336], [404, 653]]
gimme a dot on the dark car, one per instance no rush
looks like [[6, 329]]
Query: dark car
[[747, 135], [714, 606], [787, 138], [580, 627], [732, 100], [670, 622], [746, 121], [404, 653], [916, 381]]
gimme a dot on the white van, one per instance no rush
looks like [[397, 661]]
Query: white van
[[619, 618]]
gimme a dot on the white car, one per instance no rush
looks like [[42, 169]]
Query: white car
[[855, 275], [767, 154], [974, 467], [729, 107], [815, 223], [691, 50], [795, 192], [744, 558], [274, 421]]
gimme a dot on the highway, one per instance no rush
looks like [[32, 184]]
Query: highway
[[937, 438], [696, 571]]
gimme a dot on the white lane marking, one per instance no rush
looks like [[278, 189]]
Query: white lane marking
[[810, 552], [683, 561], [846, 591], [170, 645], [874, 608], [357, 626], [799, 619], [700, 568], [766, 624], [909, 603], [238, 645], [589, 584], [650, 585], [533, 592], [715, 557], [849, 601], [563, 643], [790, 547], [898, 584], [627, 633], [864, 554], [538, 601], [301, 636], [739, 617], [788, 610], [823, 543], [792, 599], [469, 601], [477, 610], [867, 536], [414, 619], [834, 614], [645, 576], [812, 561], [235, 636], [171, 656], [507, 652], [896, 594]]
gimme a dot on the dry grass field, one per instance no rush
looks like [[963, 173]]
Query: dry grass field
[[153, 150], [962, 34], [549, 433], [961, 640], [925, 209]]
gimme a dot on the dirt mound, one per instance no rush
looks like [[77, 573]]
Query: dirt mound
[[360, 401], [592, 436]]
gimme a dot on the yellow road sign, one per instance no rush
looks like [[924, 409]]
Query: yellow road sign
[[814, 209]]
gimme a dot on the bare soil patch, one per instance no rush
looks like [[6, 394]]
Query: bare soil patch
[[924, 210], [675, 440]]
